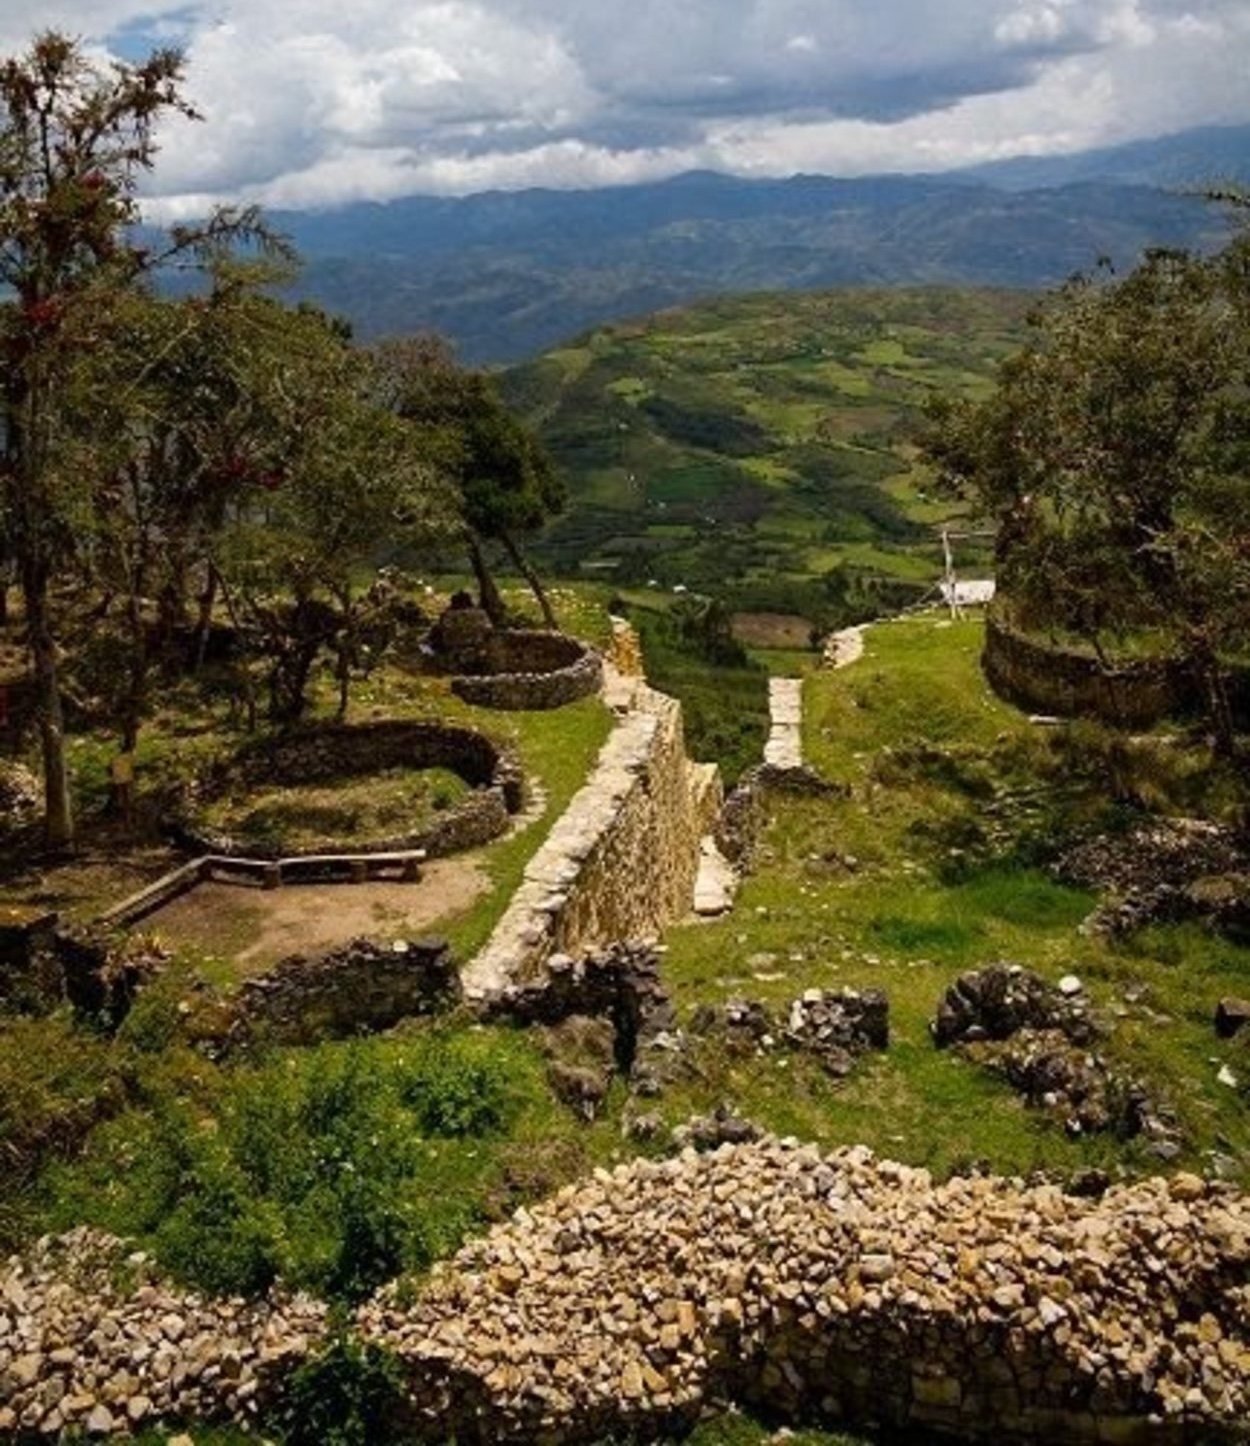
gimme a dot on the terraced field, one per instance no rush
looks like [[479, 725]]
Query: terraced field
[[762, 448]]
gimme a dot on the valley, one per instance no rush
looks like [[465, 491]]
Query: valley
[[761, 449]]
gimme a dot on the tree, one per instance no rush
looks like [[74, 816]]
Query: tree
[[1113, 455], [507, 483], [73, 142], [355, 484]]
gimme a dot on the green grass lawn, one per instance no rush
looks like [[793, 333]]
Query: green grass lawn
[[931, 756]]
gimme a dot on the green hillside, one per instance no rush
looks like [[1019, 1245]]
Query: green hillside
[[759, 447]]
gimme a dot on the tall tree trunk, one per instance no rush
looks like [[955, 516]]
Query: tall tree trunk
[[492, 603], [58, 814], [204, 621], [1218, 705], [531, 577]]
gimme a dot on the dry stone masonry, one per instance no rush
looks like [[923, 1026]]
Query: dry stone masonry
[[93, 1344], [362, 987], [316, 755], [784, 748], [839, 1288], [621, 861]]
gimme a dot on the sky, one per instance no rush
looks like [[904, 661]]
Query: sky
[[313, 103]]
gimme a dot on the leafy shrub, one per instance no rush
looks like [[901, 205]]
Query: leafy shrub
[[349, 1395], [334, 1169], [456, 1088]]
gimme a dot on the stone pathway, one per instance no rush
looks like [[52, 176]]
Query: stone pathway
[[784, 748], [716, 882], [844, 648]]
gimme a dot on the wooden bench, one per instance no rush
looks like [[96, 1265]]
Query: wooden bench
[[271, 874]]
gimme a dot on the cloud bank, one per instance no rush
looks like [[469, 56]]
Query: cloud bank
[[317, 102]]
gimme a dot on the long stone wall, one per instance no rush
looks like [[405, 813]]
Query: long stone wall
[[839, 1288], [621, 862]]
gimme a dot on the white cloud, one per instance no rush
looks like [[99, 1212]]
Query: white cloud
[[310, 102]]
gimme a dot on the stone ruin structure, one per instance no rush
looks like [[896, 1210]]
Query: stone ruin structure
[[317, 754], [517, 669]]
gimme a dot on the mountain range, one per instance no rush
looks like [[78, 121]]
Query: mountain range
[[507, 274]]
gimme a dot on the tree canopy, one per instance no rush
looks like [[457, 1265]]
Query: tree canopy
[[1113, 456]]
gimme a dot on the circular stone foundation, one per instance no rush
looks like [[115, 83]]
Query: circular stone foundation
[[527, 670], [340, 751]]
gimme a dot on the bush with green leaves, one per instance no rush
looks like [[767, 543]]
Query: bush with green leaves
[[334, 1169], [348, 1395]]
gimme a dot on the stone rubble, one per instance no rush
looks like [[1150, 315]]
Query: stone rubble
[[842, 1287], [1038, 1036], [1002, 999], [835, 1025], [1162, 870], [93, 1343], [837, 1287]]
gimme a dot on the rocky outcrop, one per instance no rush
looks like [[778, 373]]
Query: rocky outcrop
[[621, 862], [1232, 1016], [93, 1343], [838, 1288]]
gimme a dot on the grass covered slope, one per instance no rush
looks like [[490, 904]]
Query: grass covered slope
[[758, 447], [933, 865]]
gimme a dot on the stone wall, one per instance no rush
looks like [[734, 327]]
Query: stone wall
[[316, 755], [530, 670], [621, 862], [1047, 678], [838, 1289], [745, 813], [360, 988]]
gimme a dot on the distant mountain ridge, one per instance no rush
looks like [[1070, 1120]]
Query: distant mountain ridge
[[1188, 160], [508, 274]]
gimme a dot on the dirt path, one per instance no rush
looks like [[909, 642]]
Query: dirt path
[[254, 927]]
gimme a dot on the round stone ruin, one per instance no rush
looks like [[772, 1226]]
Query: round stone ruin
[[514, 669], [318, 755]]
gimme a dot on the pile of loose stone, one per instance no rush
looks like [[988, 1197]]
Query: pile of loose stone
[[1162, 869], [834, 1025], [1040, 1037], [842, 1288], [839, 1287], [91, 1342]]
